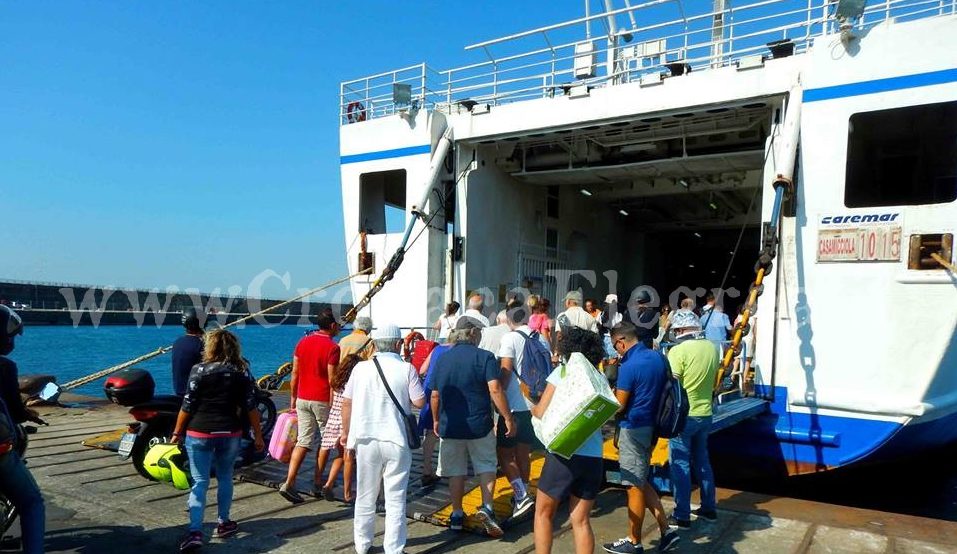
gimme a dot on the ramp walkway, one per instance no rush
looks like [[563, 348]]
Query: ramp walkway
[[432, 504]]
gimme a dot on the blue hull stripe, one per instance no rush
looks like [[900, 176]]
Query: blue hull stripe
[[784, 439], [385, 154], [881, 85]]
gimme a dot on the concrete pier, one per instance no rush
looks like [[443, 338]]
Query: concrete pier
[[97, 503]]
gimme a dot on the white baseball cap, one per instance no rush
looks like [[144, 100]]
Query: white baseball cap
[[387, 331], [611, 298]]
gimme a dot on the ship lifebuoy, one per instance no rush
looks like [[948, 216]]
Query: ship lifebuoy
[[355, 112], [408, 345]]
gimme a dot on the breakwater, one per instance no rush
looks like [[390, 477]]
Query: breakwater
[[66, 304]]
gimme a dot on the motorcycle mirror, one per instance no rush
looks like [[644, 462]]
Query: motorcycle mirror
[[50, 392]]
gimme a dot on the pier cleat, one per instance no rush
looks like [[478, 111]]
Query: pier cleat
[[674, 522], [486, 517], [623, 546], [226, 529], [192, 542], [709, 515], [669, 541]]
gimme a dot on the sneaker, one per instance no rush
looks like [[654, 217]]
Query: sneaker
[[679, 523], [317, 491], [457, 521], [623, 546], [668, 541], [521, 507], [192, 542], [226, 529], [290, 494], [710, 515], [487, 519]]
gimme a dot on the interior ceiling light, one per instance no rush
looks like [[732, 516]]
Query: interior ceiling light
[[623, 212], [586, 192], [691, 266], [697, 234], [683, 183]]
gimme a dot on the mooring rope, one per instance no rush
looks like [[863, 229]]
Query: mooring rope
[[160, 351]]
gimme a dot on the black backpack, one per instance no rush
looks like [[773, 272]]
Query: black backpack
[[672, 414]]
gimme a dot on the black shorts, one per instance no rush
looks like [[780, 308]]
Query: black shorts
[[580, 476], [525, 435]]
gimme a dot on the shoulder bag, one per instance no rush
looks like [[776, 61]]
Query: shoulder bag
[[411, 426]]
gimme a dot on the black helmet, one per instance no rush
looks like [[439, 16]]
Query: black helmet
[[10, 326], [191, 320]]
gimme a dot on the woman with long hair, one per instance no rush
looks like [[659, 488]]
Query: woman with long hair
[[539, 320], [219, 394], [346, 461]]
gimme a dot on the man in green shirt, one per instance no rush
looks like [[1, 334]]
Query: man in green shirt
[[694, 361]]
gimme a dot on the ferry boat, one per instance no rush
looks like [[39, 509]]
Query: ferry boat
[[667, 145]]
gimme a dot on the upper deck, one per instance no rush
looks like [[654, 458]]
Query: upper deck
[[682, 36]]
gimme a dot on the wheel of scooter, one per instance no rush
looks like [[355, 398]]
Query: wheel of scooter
[[267, 414], [8, 514], [142, 445]]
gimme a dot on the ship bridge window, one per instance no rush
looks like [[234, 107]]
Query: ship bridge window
[[382, 202], [902, 156]]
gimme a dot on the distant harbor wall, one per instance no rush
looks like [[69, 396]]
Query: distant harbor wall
[[64, 304]]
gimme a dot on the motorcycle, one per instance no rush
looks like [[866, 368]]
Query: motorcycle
[[155, 416], [8, 512]]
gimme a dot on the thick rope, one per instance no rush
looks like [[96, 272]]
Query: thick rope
[[160, 351]]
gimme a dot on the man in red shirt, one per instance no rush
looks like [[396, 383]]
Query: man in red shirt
[[315, 358]]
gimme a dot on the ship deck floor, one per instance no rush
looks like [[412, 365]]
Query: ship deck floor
[[97, 503]]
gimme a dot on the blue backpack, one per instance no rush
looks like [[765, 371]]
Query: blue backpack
[[536, 366], [672, 413]]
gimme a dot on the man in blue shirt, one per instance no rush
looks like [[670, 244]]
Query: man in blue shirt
[[187, 351], [716, 322], [465, 383], [642, 375]]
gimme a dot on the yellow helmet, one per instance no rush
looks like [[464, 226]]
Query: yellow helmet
[[167, 463]]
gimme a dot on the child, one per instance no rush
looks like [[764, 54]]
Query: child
[[330, 436]]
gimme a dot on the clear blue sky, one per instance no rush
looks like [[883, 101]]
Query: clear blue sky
[[195, 144]]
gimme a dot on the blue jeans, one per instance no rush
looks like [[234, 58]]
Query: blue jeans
[[690, 449], [204, 455], [18, 485]]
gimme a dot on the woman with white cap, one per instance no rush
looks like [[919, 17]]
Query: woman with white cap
[[379, 395]]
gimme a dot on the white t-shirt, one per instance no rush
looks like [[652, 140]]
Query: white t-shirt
[[513, 346], [577, 317], [477, 315], [374, 415], [446, 324], [615, 320], [492, 337]]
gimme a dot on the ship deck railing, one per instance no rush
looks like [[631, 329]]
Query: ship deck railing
[[681, 36]]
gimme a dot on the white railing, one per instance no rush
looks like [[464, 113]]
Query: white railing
[[680, 36]]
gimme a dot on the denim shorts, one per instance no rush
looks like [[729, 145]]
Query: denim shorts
[[634, 455]]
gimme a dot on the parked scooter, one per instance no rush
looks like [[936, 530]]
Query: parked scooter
[[155, 415]]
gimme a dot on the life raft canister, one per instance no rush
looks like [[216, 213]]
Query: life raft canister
[[355, 112]]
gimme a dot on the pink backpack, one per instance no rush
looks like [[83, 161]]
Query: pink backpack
[[284, 436]]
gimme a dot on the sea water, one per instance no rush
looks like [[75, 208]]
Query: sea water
[[72, 352]]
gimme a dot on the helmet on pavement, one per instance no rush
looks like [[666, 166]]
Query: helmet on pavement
[[167, 463]]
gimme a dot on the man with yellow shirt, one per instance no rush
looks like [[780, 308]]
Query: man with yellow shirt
[[694, 361]]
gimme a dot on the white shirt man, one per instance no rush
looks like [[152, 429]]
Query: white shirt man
[[513, 452], [374, 427], [575, 315], [492, 336], [476, 303]]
